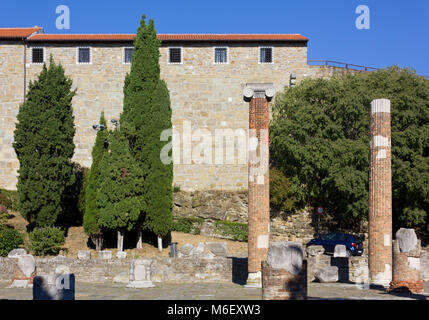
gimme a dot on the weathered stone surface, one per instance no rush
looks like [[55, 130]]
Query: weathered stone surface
[[219, 249], [407, 239], [327, 274], [26, 264], [315, 250], [340, 251], [62, 269], [105, 255], [140, 274], [122, 277], [17, 283], [121, 255], [285, 255], [54, 287], [186, 249], [84, 254], [15, 253]]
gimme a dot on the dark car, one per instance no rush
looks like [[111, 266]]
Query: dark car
[[329, 241]]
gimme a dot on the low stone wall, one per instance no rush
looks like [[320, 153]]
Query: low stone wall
[[204, 263], [424, 264]]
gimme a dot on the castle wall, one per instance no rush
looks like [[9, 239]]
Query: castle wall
[[204, 95]]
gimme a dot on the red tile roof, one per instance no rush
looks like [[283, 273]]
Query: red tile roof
[[17, 33], [169, 37]]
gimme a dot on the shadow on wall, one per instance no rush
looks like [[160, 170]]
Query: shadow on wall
[[239, 270], [343, 269]]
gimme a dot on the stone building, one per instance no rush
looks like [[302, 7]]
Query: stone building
[[205, 74]]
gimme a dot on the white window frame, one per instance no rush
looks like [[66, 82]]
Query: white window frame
[[90, 55], [123, 55], [227, 54], [44, 55], [272, 54], [181, 55]]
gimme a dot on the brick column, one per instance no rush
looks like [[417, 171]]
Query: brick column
[[380, 195], [258, 181], [406, 262]]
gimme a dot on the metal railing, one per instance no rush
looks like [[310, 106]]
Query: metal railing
[[348, 66], [343, 65]]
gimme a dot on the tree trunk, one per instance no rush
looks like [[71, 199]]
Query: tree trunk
[[120, 240], [159, 244], [97, 239], [139, 239]]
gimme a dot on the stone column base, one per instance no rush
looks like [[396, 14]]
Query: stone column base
[[140, 284], [254, 280]]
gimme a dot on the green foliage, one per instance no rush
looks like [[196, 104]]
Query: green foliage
[[282, 195], [186, 225], [44, 146], [235, 230], [99, 150], [319, 138], [9, 199], [46, 241], [176, 188], [74, 200], [119, 196], [9, 239], [412, 217], [146, 115]]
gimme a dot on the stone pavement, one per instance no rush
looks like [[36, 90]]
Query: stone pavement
[[208, 291]]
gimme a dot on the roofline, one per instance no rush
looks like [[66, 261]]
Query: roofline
[[169, 37]]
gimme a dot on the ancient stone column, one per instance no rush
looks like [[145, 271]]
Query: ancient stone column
[[380, 195], [258, 183], [406, 262], [284, 274]]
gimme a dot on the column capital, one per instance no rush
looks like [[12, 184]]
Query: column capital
[[258, 90]]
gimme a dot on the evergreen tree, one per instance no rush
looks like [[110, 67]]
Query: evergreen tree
[[44, 146], [119, 196], [90, 219], [146, 114]]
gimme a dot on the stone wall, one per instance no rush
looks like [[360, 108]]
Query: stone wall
[[204, 95], [207, 262]]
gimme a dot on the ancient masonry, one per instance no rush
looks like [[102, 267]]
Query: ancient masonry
[[380, 195], [406, 262], [259, 183]]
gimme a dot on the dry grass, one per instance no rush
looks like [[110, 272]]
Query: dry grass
[[77, 240]]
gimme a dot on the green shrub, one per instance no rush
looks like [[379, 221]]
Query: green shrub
[[234, 230], [9, 239], [187, 225], [47, 240], [9, 199]]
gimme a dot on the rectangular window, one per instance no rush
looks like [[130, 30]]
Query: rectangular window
[[175, 55], [37, 55], [128, 55], [221, 55], [266, 55], [84, 55]]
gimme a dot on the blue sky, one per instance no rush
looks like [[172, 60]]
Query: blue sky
[[398, 33]]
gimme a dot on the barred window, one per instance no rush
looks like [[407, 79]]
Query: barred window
[[221, 55], [266, 55], [37, 55], [84, 55], [128, 55], [174, 55]]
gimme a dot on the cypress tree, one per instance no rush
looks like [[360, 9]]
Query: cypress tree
[[44, 146], [146, 114], [90, 219], [119, 196]]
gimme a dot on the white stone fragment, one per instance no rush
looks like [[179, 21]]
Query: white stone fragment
[[380, 141], [26, 264], [260, 180], [414, 263], [263, 241], [387, 241], [381, 154]]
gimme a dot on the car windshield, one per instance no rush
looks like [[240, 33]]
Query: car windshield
[[329, 236]]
